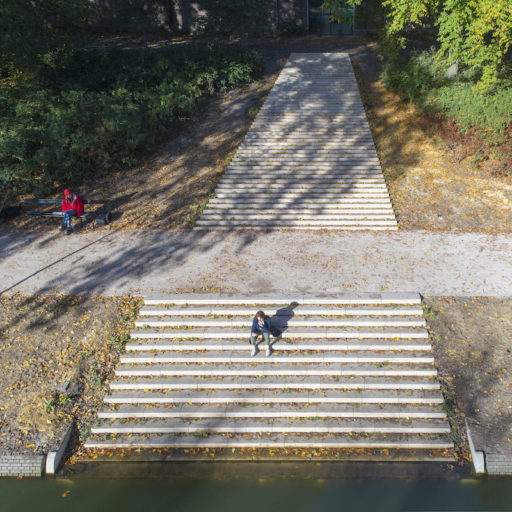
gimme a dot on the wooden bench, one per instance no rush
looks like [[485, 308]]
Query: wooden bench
[[104, 218]]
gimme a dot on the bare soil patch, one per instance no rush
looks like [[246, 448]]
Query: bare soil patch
[[46, 342], [472, 340], [430, 186]]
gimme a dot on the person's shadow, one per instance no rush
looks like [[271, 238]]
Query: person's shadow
[[281, 319]]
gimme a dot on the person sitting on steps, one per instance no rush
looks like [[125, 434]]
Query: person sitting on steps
[[262, 325], [72, 206]]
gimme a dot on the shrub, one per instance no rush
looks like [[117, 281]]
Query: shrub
[[101, 109], [474, 120], [413, 77]]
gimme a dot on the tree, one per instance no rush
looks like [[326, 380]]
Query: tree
[[475, 33]]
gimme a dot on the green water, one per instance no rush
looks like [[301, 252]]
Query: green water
[[254, 487]]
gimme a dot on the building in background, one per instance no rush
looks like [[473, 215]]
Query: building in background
[[285, 16]]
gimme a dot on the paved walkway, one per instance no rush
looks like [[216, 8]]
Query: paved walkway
[[257, 262]]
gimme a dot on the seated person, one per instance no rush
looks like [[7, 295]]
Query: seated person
[[72, 206], [262, 325]]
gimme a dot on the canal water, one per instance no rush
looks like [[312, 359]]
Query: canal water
[[260, 487]]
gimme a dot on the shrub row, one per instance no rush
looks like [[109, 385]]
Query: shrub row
[[100, 109]]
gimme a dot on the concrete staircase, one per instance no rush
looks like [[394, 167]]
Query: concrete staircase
[[353, 374], [308, 161]]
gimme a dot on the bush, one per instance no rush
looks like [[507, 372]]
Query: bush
[[413, 77], [102, 109], [482, 119]]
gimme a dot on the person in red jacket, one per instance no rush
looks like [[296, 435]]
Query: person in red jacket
[[72, 206]]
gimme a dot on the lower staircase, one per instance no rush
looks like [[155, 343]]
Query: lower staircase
[[353, 377]]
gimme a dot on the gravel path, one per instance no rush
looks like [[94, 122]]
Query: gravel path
[[250, 262]]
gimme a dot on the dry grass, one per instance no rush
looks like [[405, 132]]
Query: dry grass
[[430, 187]]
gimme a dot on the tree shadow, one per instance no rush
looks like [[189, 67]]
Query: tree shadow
[[125, 263]]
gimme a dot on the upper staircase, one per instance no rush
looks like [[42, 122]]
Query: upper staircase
[[308, 161]]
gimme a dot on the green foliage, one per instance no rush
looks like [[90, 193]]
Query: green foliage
[[414, 77], [470, 120], [49, 405], [98, 110], [238, 18], [476, 34], [34, 33], [469, 108], [422, 79], [119, 342], [342, 11]]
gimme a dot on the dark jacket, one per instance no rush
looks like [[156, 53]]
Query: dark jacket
[[266, 327]]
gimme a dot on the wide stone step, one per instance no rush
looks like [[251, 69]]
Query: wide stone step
[[227, 211], [304, 203], [290, 334], [276, 396], [282, 322], [259, 143], [296, 357], [302, 224], [280, 345], [302, 177], [315, 153], [267, 368], [330, 135], [270, 299], [287, 187], [282, 175], [287, 128], [283, 189], [213, 215], [277, 227], [346, 158], [238, 182], [308, 119], [274, 382], [244, 167], [331, 410], [271, 141], [311, 150], [278, 195], [293, 309], [383, 441], [271, 425]]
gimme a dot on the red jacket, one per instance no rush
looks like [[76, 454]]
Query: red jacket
[[74, 204]]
